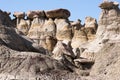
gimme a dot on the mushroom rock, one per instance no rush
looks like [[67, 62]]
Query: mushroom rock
[[43, 32], [36, 24], [90, 27], [58, 13], [21, 24], [64, 30], [109, 18]]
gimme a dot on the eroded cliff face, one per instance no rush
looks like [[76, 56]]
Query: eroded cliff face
[[46, 44], [29, 47]]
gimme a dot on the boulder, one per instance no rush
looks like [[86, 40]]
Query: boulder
[[43, 32], [109, 19], [58, 13], [34, 14]]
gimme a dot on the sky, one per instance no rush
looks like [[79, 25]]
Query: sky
[[79, 8]]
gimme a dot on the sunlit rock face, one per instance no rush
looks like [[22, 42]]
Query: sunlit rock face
[[47, 28], [64, 30], [79, 38], [40, 43], [83, 34], [108, 27], [22, 25], [42, 30], [90, 28], [109, 20], [37, 21]]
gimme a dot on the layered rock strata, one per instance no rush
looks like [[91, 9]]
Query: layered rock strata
[[47, 43], [48, 28], [109, 33]]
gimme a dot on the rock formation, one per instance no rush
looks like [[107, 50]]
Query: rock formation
[[22, 25], [45, 44], [90, 28], [58, 13], [109, 32]]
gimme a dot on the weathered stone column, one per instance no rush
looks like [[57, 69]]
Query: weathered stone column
[[79, 35], [19, 15], [90, 28], [63, 33], [63, 27], [42, 29], [21, 24], [109, 22], [38, 21]]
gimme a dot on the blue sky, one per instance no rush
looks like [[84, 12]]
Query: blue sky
[[79, 8]]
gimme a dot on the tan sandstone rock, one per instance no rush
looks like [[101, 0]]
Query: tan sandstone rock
[[36, 24], [90, 28], [62, 48], [64, 30], [76, 25], [42, 31], [21, 24], [79, 38]]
